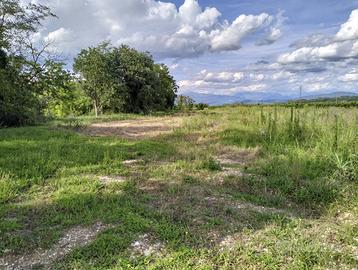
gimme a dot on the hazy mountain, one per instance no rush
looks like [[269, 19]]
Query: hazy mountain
[[331, 95], [258, 97]]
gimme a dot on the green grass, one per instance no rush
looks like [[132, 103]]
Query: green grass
[[307, 166]]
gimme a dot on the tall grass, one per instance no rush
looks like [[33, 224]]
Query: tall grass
[[304, 149]]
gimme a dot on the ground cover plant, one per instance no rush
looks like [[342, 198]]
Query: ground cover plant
[[234, 187]]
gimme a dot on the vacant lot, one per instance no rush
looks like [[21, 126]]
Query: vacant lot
[[225, 188]]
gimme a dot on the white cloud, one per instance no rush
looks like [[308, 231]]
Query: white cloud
[[159, 27], [251, 87], [228, 77], [229, 38], [318, 86], [224, 82], [350, 77], [274, 33], [257, 77], [343, 45], [349, 30], [282, 75]]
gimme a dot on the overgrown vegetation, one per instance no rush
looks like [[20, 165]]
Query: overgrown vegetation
[[241, 187]]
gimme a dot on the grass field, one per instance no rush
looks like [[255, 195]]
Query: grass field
[[240, 187]]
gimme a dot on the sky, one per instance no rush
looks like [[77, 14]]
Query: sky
[[223, 47]]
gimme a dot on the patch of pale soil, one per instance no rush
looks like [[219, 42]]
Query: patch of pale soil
[[106, 180], [74, 238], [227, 172], [146, 245], [135, 128], [132, 162], [230, 241], [237, 156], [245, 206], [258, 208]]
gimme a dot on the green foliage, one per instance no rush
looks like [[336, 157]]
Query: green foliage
[[69, 101], [18, 20], [125, 80], [184, 103], [202, 106], [93, 65], [3, 59], [28, 75], [18, 105], [211, 164]]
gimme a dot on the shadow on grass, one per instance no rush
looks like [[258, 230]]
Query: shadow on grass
[[187, 222], [30, 156]]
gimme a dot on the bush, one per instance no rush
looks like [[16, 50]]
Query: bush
[[202, 106], [211, 165]]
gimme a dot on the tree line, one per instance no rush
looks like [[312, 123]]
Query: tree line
[[34, 83]]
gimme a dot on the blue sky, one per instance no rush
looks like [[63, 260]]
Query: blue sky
[[227, 47]]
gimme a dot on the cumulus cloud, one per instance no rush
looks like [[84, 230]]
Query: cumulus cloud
[[344, 45], [224, 77], [274, 32], [349, 30], [229, 37], [158, 27]]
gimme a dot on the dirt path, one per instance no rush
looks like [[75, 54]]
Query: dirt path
[[136, 128], [42, 259]]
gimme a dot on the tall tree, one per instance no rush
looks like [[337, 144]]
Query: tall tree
[[92, 66]]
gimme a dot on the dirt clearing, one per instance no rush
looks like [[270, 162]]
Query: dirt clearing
[[136, 128]]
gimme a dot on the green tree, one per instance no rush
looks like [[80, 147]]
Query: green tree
[[18, 21], [92, 65], [167, 87], [70, 100], [125, 80], [185, 103], [27, 72]]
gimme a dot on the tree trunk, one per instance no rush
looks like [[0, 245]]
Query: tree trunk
[[95, 108]]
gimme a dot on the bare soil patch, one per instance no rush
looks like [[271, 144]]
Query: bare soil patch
[[146, 245], [135, 128], [106, 180], [40, 258], [132, 162], [239, 156]]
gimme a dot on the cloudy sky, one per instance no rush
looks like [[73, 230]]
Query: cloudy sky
[[224, 47]]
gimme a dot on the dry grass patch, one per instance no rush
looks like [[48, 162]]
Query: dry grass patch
[[135, 128], [237, 156]]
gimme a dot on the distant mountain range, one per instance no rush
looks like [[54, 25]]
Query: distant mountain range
[[259, 97]]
